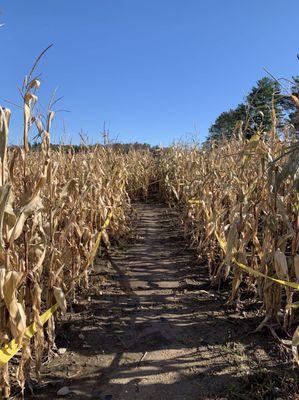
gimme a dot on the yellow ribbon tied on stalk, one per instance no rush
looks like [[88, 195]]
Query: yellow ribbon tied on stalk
[[10, 349]]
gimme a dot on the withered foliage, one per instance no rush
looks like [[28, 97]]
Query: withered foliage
[[52, 206], [239, 202]]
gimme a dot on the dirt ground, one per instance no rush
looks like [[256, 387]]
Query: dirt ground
[[151, 328]]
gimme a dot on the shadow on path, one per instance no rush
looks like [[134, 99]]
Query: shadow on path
[[152, 329]]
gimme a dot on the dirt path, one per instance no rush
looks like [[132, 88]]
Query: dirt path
[[149, 329]]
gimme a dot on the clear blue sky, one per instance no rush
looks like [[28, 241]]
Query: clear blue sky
[[152, 69]]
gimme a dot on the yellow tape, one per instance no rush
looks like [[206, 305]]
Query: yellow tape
[[254, 272], [194, 201], [11, 349], [97, 242]]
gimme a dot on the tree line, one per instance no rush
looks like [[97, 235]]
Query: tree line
[[256, 112]]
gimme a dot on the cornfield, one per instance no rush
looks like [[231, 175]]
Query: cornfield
[[239, 205], [53, 206], [238, 201]]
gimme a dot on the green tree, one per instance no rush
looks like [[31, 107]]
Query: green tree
[[225, 124], [260, 102], [255, 113], [291, 111]]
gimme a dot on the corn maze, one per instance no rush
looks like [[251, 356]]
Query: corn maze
[[238, 202]]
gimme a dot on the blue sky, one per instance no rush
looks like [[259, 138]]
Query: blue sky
[[154, 70]]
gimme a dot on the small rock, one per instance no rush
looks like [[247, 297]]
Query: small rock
[[61, 351], [81, 336], [63, 391]]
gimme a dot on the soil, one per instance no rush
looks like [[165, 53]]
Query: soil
[[152, 328]]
